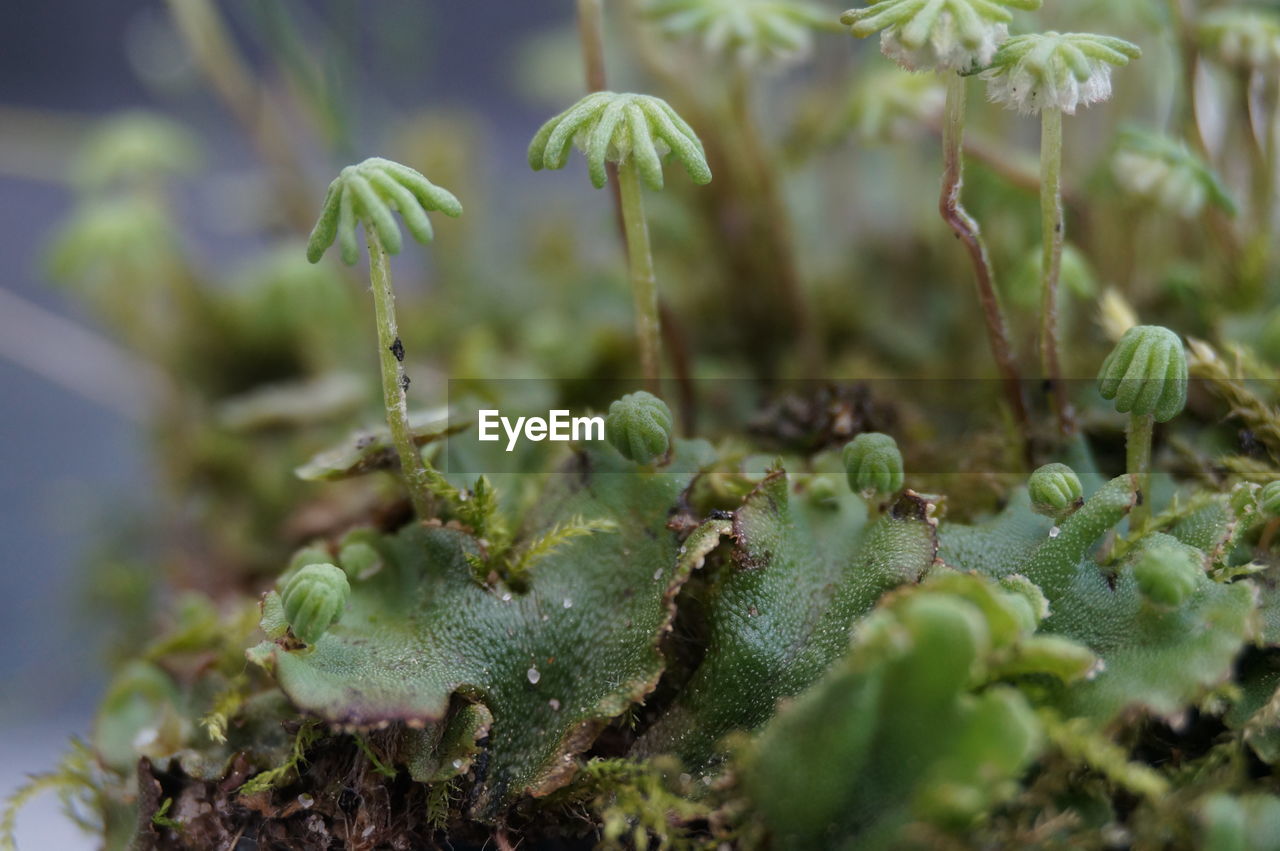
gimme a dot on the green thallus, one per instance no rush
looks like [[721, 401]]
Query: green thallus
[[1146, 376], [636, 132], [1051, 74], [367, 194], [954, 38]]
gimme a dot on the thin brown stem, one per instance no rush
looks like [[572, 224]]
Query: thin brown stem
[[967, 231]]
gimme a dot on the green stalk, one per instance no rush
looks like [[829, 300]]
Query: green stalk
[[644, 284], [1053, 232], [1138, 464], [395, 382], [967, 231]]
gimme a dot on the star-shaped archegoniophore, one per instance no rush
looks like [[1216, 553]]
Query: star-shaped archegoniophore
[[946, 35], [1146, 373], [1031, 73], [368, 192], [751, 30], [620, 128], [1244, 38], [1162, 170]]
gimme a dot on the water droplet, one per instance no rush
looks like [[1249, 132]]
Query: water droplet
[[506, 598], [657, 574], [1055, 532], [533, 676], [457, 764], [568, 604], [555, 704], [306, 801]]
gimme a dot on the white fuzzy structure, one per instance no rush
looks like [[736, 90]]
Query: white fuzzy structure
[[1029, 88], [944, 50], [1178, 190]]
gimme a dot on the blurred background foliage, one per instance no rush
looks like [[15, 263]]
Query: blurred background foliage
[[817, 252]]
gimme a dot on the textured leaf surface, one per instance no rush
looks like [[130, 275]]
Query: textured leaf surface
[[551, 665], [1155, 657], [800, 573], [896, 731]]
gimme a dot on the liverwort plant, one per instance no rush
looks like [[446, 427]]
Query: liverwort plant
[[635, 132], [1164, 172], [749, 30], [954, 38], [743, 38], [1051, 74], [1146, 376], [367, 193]]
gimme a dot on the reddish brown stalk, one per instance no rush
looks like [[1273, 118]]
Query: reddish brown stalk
[[967, 231]]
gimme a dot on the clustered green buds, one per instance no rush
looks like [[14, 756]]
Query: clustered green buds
[[369, 191], [314, 597], [1146, 373], [1167, 574], [748, 30], [639, 426], [1163, 171], [618, 128], [1248, 39], [1269, 500], [944, 35], [1062, 71], [1055, 491], [874, 464]]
